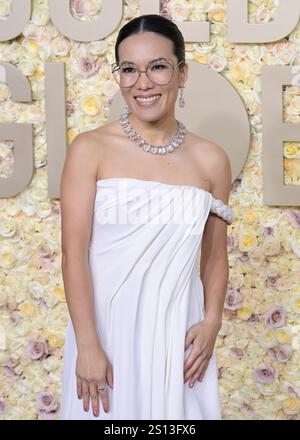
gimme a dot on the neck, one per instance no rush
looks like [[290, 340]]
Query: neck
[[158, 132]]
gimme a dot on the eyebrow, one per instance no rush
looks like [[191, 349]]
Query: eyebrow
[[156, 59]]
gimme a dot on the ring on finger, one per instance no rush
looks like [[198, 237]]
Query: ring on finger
[[105, 388]]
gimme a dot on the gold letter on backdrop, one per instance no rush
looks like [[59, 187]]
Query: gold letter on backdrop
[[18, 18], [275, 132], [240, 31], [105, 24], [20, 134], [55, 124]]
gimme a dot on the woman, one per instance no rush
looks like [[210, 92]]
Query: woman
[[141, 333]]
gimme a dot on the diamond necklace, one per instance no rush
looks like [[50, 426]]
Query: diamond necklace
[[167, 148]]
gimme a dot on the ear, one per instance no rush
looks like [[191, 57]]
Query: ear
[[184, 74]]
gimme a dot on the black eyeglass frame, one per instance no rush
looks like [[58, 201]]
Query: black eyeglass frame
[[116, 67]]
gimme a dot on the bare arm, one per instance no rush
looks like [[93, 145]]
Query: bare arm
[[213, 273], [214, 268], [77, 198]]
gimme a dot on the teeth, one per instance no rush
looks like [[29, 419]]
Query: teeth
[[152, 98]]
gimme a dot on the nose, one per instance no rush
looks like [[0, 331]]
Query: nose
[[143, 81]]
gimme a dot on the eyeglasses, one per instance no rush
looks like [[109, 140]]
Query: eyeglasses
[[160, 72]]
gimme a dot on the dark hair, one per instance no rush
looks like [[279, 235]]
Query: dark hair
[[153, 23]]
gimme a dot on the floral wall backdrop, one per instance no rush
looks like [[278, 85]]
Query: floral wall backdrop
[[258, 346]]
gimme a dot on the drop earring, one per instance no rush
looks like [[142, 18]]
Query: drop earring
[[181, 99], [126, 110]]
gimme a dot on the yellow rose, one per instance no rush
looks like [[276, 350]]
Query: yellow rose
[[56, 341], [179, 12], [59, 292], [4, 9], [251, 216], [291, 406], [201, 58], [26, 308], [217, 15], [283, 336], [90, 105], [4, 92], [268, 338], [31, 46], [247, 241], [245, 312], [296, 304], [291, 150], [7, 260], [71, 134], [40, 16]]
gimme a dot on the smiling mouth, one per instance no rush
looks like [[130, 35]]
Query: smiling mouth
[[147, 101]]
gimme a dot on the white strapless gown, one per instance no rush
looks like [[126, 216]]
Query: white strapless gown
[[143, 256]]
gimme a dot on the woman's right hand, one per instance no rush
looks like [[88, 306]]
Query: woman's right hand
[[93, 369]]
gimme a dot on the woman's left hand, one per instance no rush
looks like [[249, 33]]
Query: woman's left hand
[[203, 337]]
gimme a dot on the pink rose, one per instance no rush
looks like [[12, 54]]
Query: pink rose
[[56, 209], [254, 317], [280, 353], [87, 67], [78, 7], [294, 217], [233, 299], [292, 392], [237, 352], [231, 242], [220, 372], [37, 349], [11, 362], [293, 417], [46, 402], [265, 374], [246, 408], [2, 405], [275, 317], [244, 257], [271, 281], [15, 317], [9, 368], [47, 415], [10, 305], [108, 101], [70, 106], [165, 9], [11, 372]]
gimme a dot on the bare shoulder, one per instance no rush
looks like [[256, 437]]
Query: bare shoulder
[[216, 160], [107, 130], [212, 151], [98, 139]]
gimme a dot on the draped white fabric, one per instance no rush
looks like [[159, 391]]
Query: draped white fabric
[[143, 254]]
